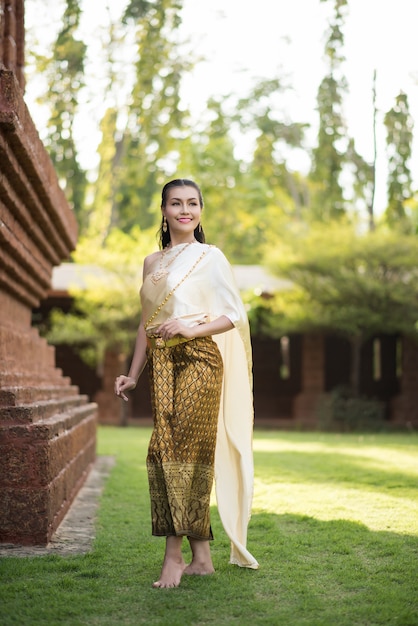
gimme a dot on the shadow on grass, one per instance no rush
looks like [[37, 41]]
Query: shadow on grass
[[312, 572], [324, 573]]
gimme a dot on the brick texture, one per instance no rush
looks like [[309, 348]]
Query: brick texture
[[404, 407], [47, 429], [313, 378], [12, 37]]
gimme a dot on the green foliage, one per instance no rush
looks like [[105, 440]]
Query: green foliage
[[353, 284], [343, 411], [399, 126], [102, 215], [106, 310], [356, 284], [363, 174], [335, 41], [155, 117], [65, 71], [328, 158], [328, 155], [148, 136], [243, 203], [226, 219], [335, 157], [411, 207], [279, 314], [283, 192], [139, 10]]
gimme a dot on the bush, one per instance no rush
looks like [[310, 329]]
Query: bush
[[342, 411]]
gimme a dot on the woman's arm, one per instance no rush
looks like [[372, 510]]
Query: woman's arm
[[139, 359], [171, 328], [167, 330]]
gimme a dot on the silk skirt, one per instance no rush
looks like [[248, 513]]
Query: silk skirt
[[186, 384]]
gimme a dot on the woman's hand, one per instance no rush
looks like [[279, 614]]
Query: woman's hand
[[124, 383], [173, 328]]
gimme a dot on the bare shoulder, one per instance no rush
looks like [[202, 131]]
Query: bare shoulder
[[148, 261]]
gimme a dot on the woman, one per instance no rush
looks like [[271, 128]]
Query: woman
[[194, 335]]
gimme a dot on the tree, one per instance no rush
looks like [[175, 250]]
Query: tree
[[399, 126], [102, 212], [209, 158], [335, 153], [106, 312], [282, 188], [328, 156], [245, 201], [65, 71], [355, 285], [155, 118]]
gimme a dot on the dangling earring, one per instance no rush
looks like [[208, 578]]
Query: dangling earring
[[199, 227], [164, 225]]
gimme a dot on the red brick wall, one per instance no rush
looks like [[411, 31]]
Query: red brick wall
[[313, 379], [404, 407], [47, 429], [12, 37]]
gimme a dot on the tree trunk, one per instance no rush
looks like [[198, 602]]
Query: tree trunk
[[371, 205]]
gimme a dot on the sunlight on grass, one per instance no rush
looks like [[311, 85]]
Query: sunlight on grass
[[325, 503], [340, 478], [334, 528]]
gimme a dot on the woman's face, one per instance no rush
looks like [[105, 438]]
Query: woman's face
[[182, 209]]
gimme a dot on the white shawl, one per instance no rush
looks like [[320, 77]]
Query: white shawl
[[209, 292]]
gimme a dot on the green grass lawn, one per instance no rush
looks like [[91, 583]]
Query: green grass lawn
[[334, 527]]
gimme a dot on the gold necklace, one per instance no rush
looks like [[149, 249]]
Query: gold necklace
[[168, 296], [162, 270]]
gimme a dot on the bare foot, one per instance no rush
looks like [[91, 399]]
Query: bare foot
[[171, 573], [199, 568], [201, 563]]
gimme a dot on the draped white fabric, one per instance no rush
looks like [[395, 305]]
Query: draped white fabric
[[207, 293]]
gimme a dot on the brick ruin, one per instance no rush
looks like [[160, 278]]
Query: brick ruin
[[47, 429]]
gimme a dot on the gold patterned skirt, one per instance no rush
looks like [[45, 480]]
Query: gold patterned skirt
[[186, 383]]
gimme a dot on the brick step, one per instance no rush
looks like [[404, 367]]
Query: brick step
[[33, 379], [56, 424], [40, 411], [28, 350], [48, 429], [14, 396]]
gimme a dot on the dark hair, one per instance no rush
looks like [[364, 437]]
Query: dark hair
[[165, 237]]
